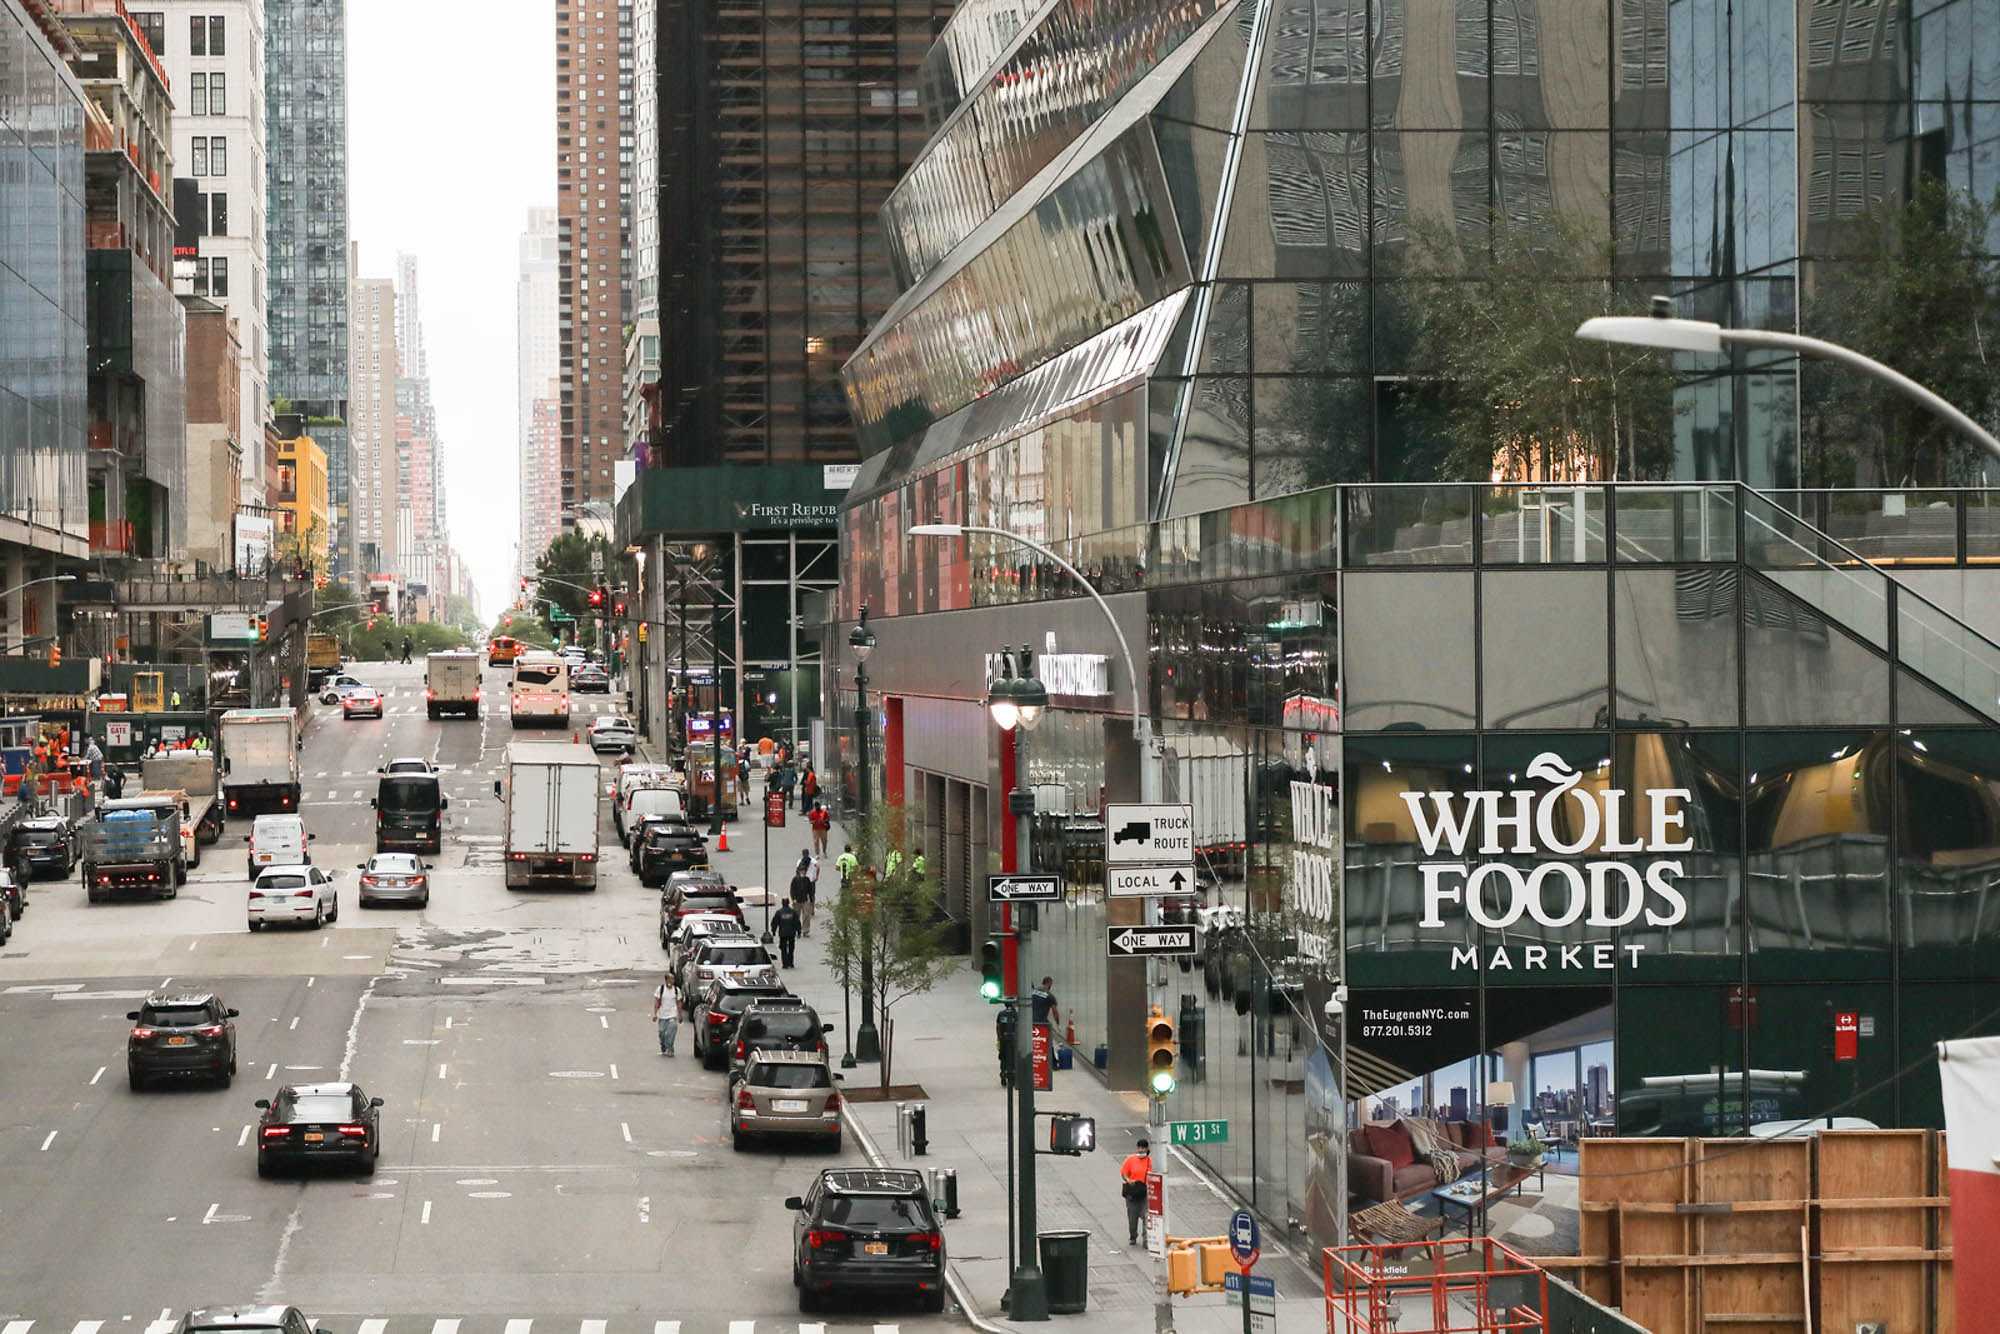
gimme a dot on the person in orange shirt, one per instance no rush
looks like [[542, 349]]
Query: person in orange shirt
[[1133, 1171]]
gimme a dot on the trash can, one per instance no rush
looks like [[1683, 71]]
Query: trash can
[[1066, 1271]]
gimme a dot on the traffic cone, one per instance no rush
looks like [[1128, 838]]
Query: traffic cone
[[1069, 1033], [722, 844], [573, 736]]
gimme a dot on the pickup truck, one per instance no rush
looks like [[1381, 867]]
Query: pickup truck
[[189, 778], [134, 844]]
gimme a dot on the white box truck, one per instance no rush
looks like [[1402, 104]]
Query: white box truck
[[549, 802], [451, 684], [260, 761]]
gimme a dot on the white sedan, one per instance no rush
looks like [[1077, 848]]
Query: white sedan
[[613, 734], [302, 894]]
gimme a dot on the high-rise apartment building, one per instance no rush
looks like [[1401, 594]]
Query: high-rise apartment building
[[213, 51], [305, 99], [420, 485], [371, 428], [537, 363], [781, 130], [593, 187]]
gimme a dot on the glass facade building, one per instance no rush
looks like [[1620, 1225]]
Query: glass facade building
[[305, 94], [1160, 280], [44, 412]]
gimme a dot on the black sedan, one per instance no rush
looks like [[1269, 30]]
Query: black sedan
[[318, 1123], [666, 846], [43, 843]]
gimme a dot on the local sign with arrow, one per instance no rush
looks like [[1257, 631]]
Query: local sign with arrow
[[1023, 889], [1137, 942], [1131, 882]]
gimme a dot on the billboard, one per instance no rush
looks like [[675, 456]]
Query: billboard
[[255, 538]]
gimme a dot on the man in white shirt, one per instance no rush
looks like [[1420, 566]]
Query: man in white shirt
[[667, 1012]]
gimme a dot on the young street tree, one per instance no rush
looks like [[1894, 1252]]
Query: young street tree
[[886, 927]]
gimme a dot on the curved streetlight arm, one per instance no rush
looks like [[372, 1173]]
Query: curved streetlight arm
[[1847, 356], [1141, 732], [45, 579]]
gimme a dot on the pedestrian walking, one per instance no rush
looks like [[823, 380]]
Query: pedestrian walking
[[846, 863], [406, 648], [1133, 1171], [667, 1012], [785, 923], [1043, 999], [93, 756], [808, 791], [802, 893], [821, 820]]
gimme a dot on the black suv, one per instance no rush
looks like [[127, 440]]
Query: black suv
[[867, 1230], [716, 1012], [43, 843], [780, 1023], [667, 846], [191, 1033]]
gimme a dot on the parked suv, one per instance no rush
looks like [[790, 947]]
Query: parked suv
[[44, 843], [189, 1033], [716, 1012], [784, 1093], [682, 897], [737, 957], [867, 1230], [664, 846], [777, 1023]]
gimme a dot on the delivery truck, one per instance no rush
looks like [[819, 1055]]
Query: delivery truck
[[260, 761], [191, 780], [134, 844], [322, 659], [451, 684], [549, 803]]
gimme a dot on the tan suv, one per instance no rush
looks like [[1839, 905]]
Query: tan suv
[[784, 1093]]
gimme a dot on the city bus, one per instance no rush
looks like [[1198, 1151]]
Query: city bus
[[501, 650], [541, 689]]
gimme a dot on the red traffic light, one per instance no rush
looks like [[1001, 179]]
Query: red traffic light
[[596, 597], [507, 620]]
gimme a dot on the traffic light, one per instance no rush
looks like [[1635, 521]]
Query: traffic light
[[1160, 1052], [507, 620], [618, 609], [55, 655], [1072, 1134], [597, 599], [371, 622], [991, 978]]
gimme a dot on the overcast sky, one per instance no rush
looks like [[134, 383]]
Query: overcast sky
[[451, 138]]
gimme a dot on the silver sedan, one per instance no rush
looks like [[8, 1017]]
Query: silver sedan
[[394, 877]]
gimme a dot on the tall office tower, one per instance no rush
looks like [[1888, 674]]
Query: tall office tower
[[593, 157], [422, 557], [782, 128], [213, 51], [305, 129], [371, 430], [537, 360]]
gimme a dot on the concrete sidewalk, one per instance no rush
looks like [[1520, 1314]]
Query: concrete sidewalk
[[944, 1041]]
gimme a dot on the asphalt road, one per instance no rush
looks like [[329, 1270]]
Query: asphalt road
[[541, 1161]]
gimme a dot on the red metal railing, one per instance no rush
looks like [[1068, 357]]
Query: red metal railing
[[1475, 1286]]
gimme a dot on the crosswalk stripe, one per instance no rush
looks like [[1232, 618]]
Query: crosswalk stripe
[[593, 1327], [87, 1327], [518, 1326], [666, 1327], [812, 1329], [372, 1327], [17, 1327], [444, 1327], [742, 1327], [161, 1327]]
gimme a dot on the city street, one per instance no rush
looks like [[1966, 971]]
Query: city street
[[541, 1162]]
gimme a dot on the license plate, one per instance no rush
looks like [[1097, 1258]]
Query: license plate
[[314, 1136], [789, 1105], [875, 1248], [177, 1042]]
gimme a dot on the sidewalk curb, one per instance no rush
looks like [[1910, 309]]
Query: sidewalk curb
[[960, 1293]]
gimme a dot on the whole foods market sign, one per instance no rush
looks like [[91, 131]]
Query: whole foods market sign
[[1632, 880]]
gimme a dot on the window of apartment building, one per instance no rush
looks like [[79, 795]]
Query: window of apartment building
[[153, 27], [216, 46], [210, 156], [197, 35], [198, 95], [218, 214], [217, 102]]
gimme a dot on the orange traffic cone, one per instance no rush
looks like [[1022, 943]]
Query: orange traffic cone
[[722, 843], [573, 736], [1069, 1034]]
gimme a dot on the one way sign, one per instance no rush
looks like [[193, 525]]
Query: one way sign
[[1131, 942], [1023, 889]]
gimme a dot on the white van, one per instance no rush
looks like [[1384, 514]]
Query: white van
[[647, 802], [278, 840]]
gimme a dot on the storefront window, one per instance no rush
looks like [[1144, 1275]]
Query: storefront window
[[1948, 851]]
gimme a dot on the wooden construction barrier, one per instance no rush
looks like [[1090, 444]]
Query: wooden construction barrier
[[1775, 1236]]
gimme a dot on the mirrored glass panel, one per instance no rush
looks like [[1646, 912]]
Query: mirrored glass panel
[[1408, 644], [1676, 647], [1544, 651]]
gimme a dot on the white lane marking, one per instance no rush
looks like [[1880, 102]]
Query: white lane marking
[[815, 1328], [592, 1327], [97, 995], [425, 1219], [886, 1329], [440, 1069], [626, 1129], [372, 1327], [209, 1217], [162, 1327], [421, 1042], [86, 1327], [23, 1326], [742, 1327], [320, 774], [293, 1024], [332, 795], [41, 986], [100, 1073], [50, 1140], [674, 1327], [444, 1327], [614, 1072], [603, 1022], [645, 1208], [447, 1021], [436, 1126], [357, 795], [519, 1326], [310, 981], [488, 980], [191, 945], [243, 1138], [272, 1073]]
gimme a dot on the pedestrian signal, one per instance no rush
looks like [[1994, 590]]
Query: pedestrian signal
[[1072, 1134]]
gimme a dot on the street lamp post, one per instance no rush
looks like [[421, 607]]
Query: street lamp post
[[1016, 703], [1661, 330], [867, 1039]]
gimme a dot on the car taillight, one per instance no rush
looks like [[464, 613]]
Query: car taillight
[[739, 1050], [816, 1238], [354, 1130], [276, 1132], [590, 856], [744, 1100], [370, 880], [210, 1030], [256, 893], [232, 803], [429, 695], [715, 1016], [475, 694], [932, 1239], [142, 1032], [302, 894], [833, 1102]]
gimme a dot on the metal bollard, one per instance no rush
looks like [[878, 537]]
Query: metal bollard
[[918, 1140], [944, 1190], [903, 1129]]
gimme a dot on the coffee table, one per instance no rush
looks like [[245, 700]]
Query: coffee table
[[1467, 1195]]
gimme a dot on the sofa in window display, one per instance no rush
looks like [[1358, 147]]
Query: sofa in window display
[[1385, 1161]]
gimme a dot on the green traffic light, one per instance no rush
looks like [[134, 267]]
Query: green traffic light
[[1163, 1081], [990, 989]]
